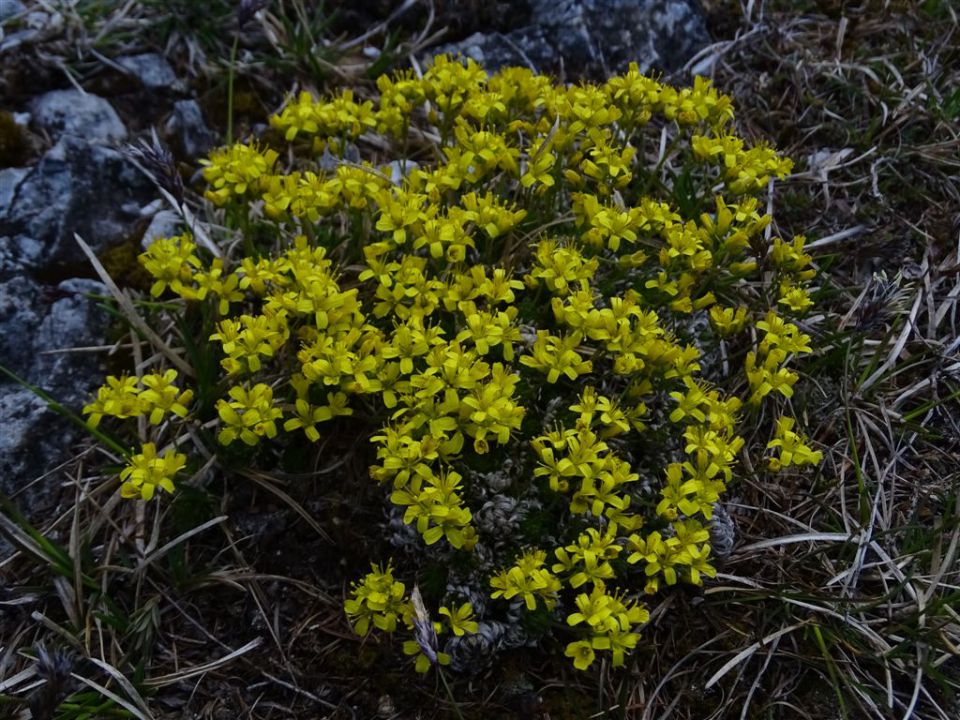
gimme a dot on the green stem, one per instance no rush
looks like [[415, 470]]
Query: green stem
[[443, 678], [230, 77]]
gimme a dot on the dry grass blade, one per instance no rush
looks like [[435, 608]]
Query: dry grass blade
[[196, 227], [127, 686], [161, 551], [130, 312], [803, 537], [137, 712], [21, 539], [19, 678], [909, 328], [748, 652], [195, 670]]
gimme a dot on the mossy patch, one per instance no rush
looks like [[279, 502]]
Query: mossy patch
[[14, 143], [120, 261]]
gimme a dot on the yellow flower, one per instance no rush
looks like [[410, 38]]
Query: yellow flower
[[689, 403], [236, 171], [253, 337], [529, 580], [460, 619], [249, 416], [162, 396], [795, 298], [792, 446], [769, 377], [213, 281], [378, 599], [146, 471], [582, 653], [560, 267], [557, 356], [172, 262], [434, 505], [422, 663], [119, 398], [697, 560], [307, 417], [728, 321], [538, 171], [457, 298]]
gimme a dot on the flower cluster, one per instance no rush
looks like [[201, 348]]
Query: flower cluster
[[529, 580], [792, 446], [518, 282], [248, 415], [153, 395], [377, 600], [146, 471], [237, 171], [380, 601], [610, 621]]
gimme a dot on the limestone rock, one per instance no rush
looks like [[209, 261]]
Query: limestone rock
[[593, 39], [189, 131], [35, 320], [31, 444], [151, 69], [164, 224], [81, 188], [82, 115], [10, 179], [19, 254], [20, 314]]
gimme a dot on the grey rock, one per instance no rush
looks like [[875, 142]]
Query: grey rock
[[35, 320], [397, 170], [79, 188], [189, 130], [71, 112], [329, 162], [594, 38], [31, 444], [20, 314], [151, 69], [18, 255], [73, 320], [164, 224], [10, 179]]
